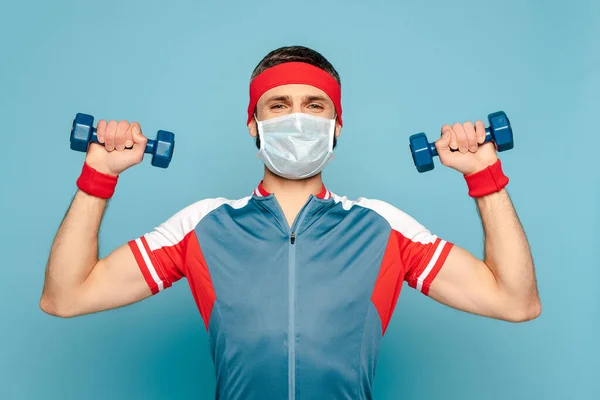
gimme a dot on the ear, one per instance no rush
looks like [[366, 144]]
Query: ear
[[252, 128], [338, 129]]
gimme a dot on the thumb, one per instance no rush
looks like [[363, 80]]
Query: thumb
[[139, 144], [443, 143], [139, 140]]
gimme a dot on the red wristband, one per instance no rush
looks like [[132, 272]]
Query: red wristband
[[487, 181], [96, 183]]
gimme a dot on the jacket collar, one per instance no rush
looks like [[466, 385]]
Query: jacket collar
[[261, 192]]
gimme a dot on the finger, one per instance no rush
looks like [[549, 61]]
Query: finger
[[453, 140], [120, 135], [471, 136], [109, 138], [480, 130], [461, 138], [129, 136], [101, 130]]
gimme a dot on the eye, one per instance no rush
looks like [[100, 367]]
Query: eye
[[277, 106], [315, 106]]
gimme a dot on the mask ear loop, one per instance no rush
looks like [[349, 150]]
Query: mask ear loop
[[333, 138], [257, 124], [258, 134], [255, 120]]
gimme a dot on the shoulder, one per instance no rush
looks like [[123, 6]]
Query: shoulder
[[398, 220], [206, 206], [190, 216], [182, 224]]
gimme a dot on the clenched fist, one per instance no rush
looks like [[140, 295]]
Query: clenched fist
[[124, 146], [461, 148]]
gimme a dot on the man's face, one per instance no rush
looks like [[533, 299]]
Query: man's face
[[295, 98]]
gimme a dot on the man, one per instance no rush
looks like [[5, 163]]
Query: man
[[296, 285]]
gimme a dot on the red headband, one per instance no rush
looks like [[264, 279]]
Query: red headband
[[299, 73]]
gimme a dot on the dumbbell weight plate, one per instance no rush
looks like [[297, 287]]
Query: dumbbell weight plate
[[81, 132], [501, 130], [421, 152], [165, 146]]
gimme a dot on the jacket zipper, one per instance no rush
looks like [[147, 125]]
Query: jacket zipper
[[292, 307]]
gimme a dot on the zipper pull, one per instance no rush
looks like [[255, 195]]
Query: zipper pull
[[293, 238]]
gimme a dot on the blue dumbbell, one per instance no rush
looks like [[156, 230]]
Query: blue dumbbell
[[83, 133], [499, 132]]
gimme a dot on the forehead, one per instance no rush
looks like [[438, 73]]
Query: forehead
[[295, 91]]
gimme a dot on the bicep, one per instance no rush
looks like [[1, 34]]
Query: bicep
[[115, 281], [442, 270], [142, 267], [466, 283]]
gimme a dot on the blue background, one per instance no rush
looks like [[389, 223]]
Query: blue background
[[406, 67]]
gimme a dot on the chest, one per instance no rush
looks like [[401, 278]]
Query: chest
[[256, 263]]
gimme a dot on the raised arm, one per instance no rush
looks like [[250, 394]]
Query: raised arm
[[78, 282], [503, 284]]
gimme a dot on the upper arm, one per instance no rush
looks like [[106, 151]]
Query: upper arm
[[448, 273], [440, 269], [466, 283], [142, 267], [115, 281]]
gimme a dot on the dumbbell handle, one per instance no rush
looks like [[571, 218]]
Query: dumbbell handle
[[488, 138], [150, 145]]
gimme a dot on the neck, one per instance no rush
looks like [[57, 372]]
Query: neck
[[292, 189]]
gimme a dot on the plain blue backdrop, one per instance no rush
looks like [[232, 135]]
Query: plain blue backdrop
[[406, 67]]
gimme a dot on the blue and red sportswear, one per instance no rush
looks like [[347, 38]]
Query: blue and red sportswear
[[292, 312]]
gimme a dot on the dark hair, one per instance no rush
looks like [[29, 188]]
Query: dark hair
[[295, 54]]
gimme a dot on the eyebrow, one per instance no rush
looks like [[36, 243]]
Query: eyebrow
[[279, 98], [305, 99], [308, 99]]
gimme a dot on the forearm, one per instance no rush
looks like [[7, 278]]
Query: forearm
[[507, 251], [74, 252]]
